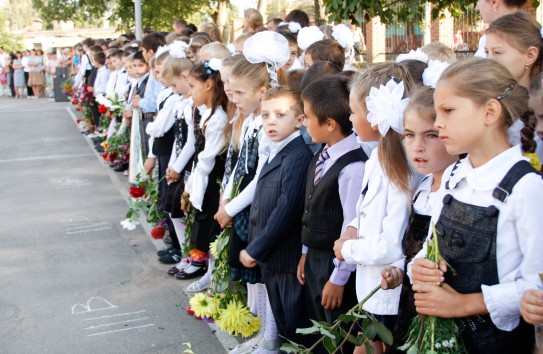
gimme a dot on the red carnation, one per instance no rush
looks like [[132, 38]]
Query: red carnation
[[137, 192], [78, 121], [105, 156], [189, 311], [157, 233], [112, 156], [75, 101], [102, 109]]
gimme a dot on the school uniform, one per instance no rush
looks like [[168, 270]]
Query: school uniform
[[489, 230], [275, 228], [140, 89], [382, 218], [208, 168], [181, 157], [333, 183]]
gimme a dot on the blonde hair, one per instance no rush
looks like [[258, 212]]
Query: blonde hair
[[284, 91], [215, 50], [172, 37], [391, 152], [160, 59], [481, 80], [237, 126], [439, 51], [422, 102], [256, 75], [173, 67], [521, 31], [212, 30], [152, 62], [254, 19], [239, 41]]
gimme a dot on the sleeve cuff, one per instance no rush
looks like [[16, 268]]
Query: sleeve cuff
[[346, 251], [503, 304]]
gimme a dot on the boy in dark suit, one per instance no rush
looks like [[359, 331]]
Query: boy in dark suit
[[334, 182], [276, 211]]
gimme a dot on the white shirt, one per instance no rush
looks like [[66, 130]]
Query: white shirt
[[519, 240], [24, 63], [245, 197], [276, 147], [179, 162], [382, 218], [110, 88], [100, 84], [121, 85], [481, 49], [84, 65], [214, 144], [425, 197], [165, 118]]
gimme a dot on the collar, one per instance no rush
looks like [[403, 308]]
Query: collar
[[342, 147], [141, 79], [276, 147], [425, 184], [489, 175]]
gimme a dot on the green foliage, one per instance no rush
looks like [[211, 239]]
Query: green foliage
[[334, 336], [75, 10], [8, 40], [390, 11]]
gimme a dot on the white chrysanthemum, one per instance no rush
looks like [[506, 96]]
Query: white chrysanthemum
[[294, 27], [386, 106], [413, 55], [433, 72], [214, 64], [178, 49], [308, 36], [129, 224], [103, 100], [343, 35]]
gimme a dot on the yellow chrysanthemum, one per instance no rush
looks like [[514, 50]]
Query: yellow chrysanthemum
[[253, 327], [534, 161], [213, 249], [235, 318], [203, 305]]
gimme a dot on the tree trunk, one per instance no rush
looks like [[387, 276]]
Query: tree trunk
[[262, 6], [320, 17]]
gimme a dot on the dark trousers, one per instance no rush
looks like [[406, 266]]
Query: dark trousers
[[144, 136], [319, 265], [163, 161], [28, 88], [11, 83], [287, 300]]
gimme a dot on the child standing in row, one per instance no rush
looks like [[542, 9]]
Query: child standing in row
[[332, 188], [201, 189], [488, 224], [373, 240]]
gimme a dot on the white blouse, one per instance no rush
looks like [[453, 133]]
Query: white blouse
[[382, 218], [520, 223], [214, 144]]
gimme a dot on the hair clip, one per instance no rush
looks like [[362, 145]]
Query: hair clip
[[506, 92], [395, 79]]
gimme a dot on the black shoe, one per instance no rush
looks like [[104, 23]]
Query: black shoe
[[171, 258], [121, 168], [99, 149], [165, 252], [97, 140], [202, 269]]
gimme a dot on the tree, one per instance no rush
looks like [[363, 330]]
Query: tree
[[394, 10], [74, 10], [8, 40]]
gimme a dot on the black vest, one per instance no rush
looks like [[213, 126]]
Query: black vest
[[323, 213]]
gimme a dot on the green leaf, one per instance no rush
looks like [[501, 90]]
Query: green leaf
[[384, 333], [346, 318], [369, 348], [413, 350], [360, 339], [327, 333], [329, 345], [309, 330], [371, 330]]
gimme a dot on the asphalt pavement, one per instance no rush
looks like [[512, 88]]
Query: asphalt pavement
[[72, 280]]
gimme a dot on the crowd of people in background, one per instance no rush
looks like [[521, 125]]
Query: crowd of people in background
[[340, 173]]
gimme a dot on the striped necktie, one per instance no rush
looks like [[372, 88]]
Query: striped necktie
[[320, 165]]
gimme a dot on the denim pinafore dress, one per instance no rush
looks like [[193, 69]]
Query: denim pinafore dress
[[467, 241]]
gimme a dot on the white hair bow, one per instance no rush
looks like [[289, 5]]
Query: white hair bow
[[433, 72], [178, 49], [413, 55], [308, 36], [270, 48], [386, 106]]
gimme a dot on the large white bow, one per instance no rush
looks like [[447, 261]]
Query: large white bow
[[386, 106]]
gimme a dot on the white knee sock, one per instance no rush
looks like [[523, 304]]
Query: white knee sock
[[207, 277], [179, 229], [270, 332]]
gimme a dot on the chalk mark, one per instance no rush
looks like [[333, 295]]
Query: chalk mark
[[120, 330], [107, 316], [116, 323], [80, 308]]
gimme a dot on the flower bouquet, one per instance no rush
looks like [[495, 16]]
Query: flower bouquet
[[110, 106], [67, 87], [430, 334], [144, 198]]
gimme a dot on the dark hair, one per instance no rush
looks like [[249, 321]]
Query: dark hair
[[294, 79], [152, 41], [96, 49], [130, 36], [318, 71], [139, 56], [202, 72], [291, 37], [129, 51], [285, 91], [276, 20], [329, 98], [192, 27], [187, 32], [180, 22], [515, 3], [481, 80], [298, 16], [416, 69], [327, 50], [100, 58], [89, 42], [117, 53]]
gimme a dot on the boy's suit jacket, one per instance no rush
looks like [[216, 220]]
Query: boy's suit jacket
[[276, 211]]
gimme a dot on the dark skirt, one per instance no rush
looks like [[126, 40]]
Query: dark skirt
[[204, 228]]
